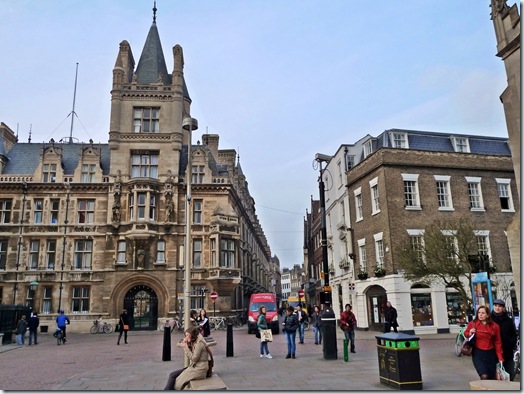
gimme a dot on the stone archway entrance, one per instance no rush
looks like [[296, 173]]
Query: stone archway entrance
[[141, 303], [376, 299]]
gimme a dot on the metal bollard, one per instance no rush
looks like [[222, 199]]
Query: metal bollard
[[346, 356], [229, 341], [166, 348]]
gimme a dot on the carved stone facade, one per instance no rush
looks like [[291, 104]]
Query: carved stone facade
[[506, 21], [101, 227]]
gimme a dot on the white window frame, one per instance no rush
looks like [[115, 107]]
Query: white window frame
[[368, 148], [399, 140], [362, 255], [146, 119], [359, 213], [375, 197], [197, 174], [418, 234], [445, 180], [484, 235], [453, 235], [350, 162], [340, 174], [506, 183], [84, 252], [379, 250], [197, 252], [39, 210], [50, 258], [197, 211], [460, 144], [88, 173], [144, 165], [415, 194], [86, 207], [475, 198]]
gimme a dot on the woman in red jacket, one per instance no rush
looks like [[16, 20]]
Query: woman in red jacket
[[487, 345]]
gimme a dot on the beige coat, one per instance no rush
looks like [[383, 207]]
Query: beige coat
[[198, 365]]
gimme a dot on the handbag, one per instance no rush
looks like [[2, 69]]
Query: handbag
[[266, 336], [118, 327], [501, 373], [126, 327], [467, 348]]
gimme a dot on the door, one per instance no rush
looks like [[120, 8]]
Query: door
[[376, 299], [141, 303]]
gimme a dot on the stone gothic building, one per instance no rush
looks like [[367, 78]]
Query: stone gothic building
[[98, 227]]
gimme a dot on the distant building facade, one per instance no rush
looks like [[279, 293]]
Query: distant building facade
[[101, 227], [397, 183]]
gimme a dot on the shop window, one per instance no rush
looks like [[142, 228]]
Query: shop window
[[456, 308], [421, 307]]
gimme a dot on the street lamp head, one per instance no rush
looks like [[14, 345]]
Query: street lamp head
[[33, 285], [322, 157], [190, 124]]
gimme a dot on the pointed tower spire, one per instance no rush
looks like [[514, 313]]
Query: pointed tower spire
[[152, 65]]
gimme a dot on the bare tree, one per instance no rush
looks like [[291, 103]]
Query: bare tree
[[443, 252]]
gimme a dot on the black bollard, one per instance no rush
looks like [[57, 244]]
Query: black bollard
[[166, 348], [229, 341], [329, 333]]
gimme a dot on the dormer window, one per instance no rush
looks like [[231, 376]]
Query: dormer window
[[368, 148], [146, 120], [460, 144], [399, 140], [88, 173], [49, 173]]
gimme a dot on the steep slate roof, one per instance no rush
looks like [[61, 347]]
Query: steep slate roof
[[426, 140], [23, 158], [152, 62]]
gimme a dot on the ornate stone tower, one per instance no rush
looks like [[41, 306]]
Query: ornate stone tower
[[506, 21]]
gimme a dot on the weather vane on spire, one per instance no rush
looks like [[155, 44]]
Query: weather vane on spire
[[154, 12]]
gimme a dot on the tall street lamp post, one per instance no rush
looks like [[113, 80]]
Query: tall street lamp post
[[328, 315], [188, 124]]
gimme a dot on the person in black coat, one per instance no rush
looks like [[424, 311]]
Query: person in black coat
[[508, 333], [124, 326], [203, 322], [33, 324], [390, 318]]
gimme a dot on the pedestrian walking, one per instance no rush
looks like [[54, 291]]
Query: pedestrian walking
[[33, 324], [262, 325], [316, 323], [203, 322], [21, 329], [390, 317], [301, 316], [348, 323], [487, 345], [508, 334], [123, 322], [61, 321], [290, 324], [197, 351]]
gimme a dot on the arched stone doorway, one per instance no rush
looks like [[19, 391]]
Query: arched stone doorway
[[141, 303], [376, 299]]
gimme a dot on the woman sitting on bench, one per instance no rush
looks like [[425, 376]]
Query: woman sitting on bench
[[195, 349]]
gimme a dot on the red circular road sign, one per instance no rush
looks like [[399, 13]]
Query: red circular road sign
[[214, 295], [301, 293]]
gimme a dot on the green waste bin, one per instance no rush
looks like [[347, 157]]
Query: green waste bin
[[399, 361]]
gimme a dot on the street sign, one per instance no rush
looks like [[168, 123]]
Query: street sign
[[301, 293], [214, 296]]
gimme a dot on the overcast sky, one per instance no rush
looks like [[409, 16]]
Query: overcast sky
[[278, 80]]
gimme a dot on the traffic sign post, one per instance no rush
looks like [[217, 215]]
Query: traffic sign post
[[300, 296], [214, 296]]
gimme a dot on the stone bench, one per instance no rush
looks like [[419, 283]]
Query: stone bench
[[498, 385], [212, 383]]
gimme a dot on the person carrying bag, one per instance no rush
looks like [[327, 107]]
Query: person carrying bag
[[265, 333]]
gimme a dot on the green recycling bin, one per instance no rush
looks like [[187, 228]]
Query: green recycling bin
[[399, 361]]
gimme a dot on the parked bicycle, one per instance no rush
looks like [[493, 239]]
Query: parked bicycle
[[217, 323], [459, 340], [99, 327], [175, 324]]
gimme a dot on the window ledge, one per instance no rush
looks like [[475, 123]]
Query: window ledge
[[450, 209], [413, 208], [507, 210], [375, 213], [477, 209]]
